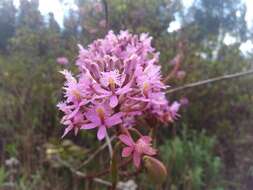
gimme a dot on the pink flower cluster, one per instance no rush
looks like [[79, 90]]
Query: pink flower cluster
[[119, 80]]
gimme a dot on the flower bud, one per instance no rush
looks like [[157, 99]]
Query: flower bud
[[62, 60], [181, 74], [156, 169]]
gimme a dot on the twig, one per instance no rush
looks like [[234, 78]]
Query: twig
[[106, 13], [208, 81], [129, 174], [136, 131], [98, 180], [81, 174], [96, 153], [106, 171]]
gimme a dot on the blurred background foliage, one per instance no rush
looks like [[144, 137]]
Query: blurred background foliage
[[209, 147]]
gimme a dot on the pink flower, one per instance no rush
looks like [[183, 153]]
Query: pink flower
[[75, 91], [62, 60], [111, 79], [166, 113], [149, 79], [72, 118], [138, 149], [174, 109], [101, 118]]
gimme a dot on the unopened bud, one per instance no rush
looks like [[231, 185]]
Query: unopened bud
[[156, 169], [62, 60], [181, 74]]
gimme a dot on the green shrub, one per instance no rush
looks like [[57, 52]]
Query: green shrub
[[3, 176], [191, 162]]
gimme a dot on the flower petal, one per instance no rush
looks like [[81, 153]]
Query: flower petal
[[114, 120], [137, 159], [146, 139], [124, 90], [73, 113], [101, 132], [126, 140], [89, 126], [174, 108], [101, 90], [127, 151], [66, 131], [113, 101], [149, 151], [93, 117], [94, 71], [140, 99]]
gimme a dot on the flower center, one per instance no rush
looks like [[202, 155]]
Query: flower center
[[140, 146], [145, 88], [111, 83], [101, 113], [76, 94]]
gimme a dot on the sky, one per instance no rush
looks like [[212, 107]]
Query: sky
[[246, 46], [54, 6]]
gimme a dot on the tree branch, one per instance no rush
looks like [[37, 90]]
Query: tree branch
[[81, 174], [106, 171], [208, 81], [106, 13], [92, 156]]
